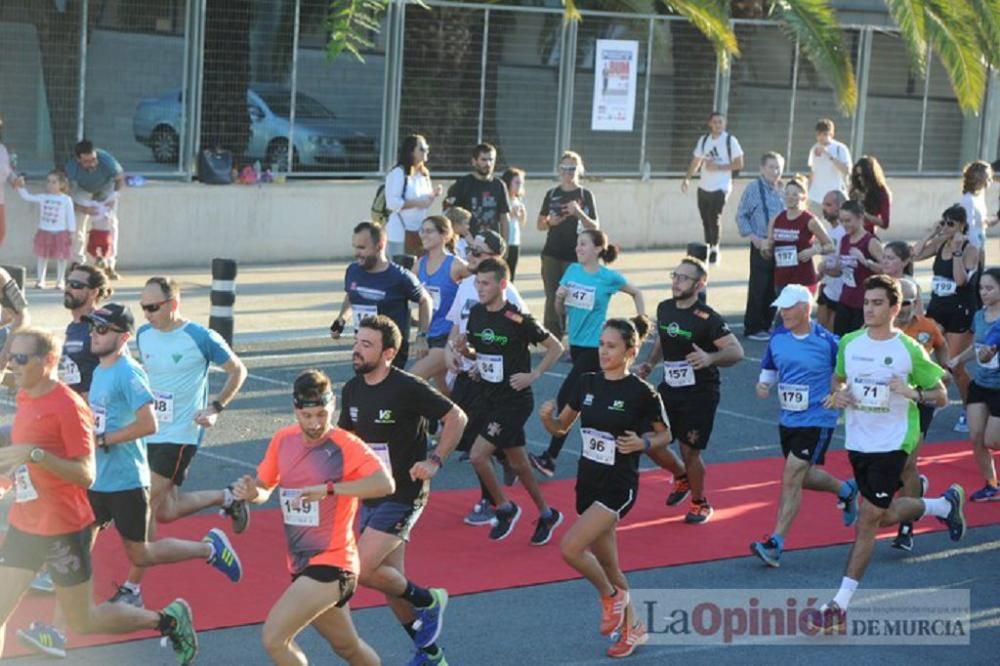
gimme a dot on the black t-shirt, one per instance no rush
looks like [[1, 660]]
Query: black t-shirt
[[487, 200], [501, 340], [607, 409], [391, 417], [680, 330], [76, 366], [560, 241]]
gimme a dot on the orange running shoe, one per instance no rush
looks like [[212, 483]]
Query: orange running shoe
[[680, 492], [699, 512], [631, 638], [613, 612]]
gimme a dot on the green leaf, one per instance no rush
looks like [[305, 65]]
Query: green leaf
[[349, 23], [957, 46], [909, 16], [711, 18], [988, 28]]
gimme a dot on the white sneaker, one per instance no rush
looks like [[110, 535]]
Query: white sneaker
[[759, 336]]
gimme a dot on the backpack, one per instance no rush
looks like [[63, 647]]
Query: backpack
[[729, 150], [380, 208]]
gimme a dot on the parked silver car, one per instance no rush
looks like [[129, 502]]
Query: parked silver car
[[320, 140]]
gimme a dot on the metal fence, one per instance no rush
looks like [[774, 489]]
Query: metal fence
[[152, 81]]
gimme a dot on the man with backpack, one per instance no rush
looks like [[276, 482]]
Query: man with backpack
[[719, 157]]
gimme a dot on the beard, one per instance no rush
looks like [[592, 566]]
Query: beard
[[360, 367], [367, 263], [71, 302]]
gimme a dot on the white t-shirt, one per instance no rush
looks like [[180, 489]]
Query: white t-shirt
[[716, 149], [514, 234], [832, 286], [976, 213], [410, 219], [56, 212], [825, 175], [466, 296]]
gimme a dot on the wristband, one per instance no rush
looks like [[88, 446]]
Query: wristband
[[329, 488], [436, 459], [218, 406], [647, 442], [102, 442]]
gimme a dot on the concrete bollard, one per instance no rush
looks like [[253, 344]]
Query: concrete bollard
[[223, 297]]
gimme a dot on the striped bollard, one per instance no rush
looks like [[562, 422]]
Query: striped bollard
[[220, 317]]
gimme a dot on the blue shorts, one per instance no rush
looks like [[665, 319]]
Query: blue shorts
[[395, 518]]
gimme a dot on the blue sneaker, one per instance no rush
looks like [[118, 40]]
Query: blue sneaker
[[987, 493], [224, 557], [849, 504], [956, 518], [44, 639], [768, 551], [962, 424], [43, 583], [430, 620], [421, 658]]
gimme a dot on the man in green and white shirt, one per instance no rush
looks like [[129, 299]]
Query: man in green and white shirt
[[880, 377]]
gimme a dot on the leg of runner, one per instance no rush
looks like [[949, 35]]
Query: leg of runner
[[983, 435], [914, 484], [215, 549], [632, 632], [578, 550], [336, 626], [432, 367], [16, 584], [701, 510], [548, 518], [481, 458]]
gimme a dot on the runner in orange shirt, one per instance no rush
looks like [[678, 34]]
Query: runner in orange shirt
[[927, 332], [321, 473], [51, 522]]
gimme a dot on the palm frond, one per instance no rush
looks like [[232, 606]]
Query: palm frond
[[950, 33], [349, 24], [711, 18], [571, 13], [988, 28], [820, 37], [909, 16]]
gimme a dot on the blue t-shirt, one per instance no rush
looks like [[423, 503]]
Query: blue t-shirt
[[100, 182], [76, 366], [804, 367], [388, 292], [587, 302], [988, 375], [116, 393], [177, 362], [442, 290]]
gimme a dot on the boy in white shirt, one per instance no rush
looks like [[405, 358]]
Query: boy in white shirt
[[829, 163]]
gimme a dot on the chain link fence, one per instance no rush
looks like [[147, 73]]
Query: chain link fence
[[154, 81]]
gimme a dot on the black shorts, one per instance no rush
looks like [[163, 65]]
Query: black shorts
[[618, 498], [847, 319], [463, 394], [926, 416], [438, 342], [127, 509], [171, 461], [395, 518], [953, 314], [501, 422], [823, 299], [324, 573], [691, 415], [982, 394], [65, 556], [806, 443], [878, 474]]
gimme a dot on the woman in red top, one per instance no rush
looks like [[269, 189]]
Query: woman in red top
[[320, 473], [868, 186], [792, 239], [859, 257]]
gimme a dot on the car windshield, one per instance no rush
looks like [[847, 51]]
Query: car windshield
[[305, 106]]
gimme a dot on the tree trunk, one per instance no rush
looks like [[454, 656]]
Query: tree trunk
[[224, 119]]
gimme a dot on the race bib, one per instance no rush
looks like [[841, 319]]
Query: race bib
[[847, 273], [870, 395], [361, 312], [163, 405], [678, 373], [100, 419], [598, 446], [69, 372], [580, 296], [24, 491], [435, 293], [794, 397], [942, 286], [294, 512], [992, 364], [382, 451], [490, 367], [786, 256]]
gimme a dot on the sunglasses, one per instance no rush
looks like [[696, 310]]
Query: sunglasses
[[102, 329], [22, 359], [473, 252], [76, 284], [567, 168], [906, 303], [153, 307]]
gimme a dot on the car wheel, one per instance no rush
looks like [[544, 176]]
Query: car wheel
[[277, 155], [165, 144]]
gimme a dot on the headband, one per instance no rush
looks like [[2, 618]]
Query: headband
[[305, 403]]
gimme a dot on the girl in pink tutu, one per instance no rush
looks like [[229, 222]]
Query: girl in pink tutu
[[56, 226]]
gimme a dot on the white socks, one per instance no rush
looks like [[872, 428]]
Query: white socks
[[847, 588], [938, 507]]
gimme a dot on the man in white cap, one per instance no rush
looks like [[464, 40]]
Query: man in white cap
[[800, 358]]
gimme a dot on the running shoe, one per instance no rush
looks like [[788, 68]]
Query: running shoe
[[831, 619], [224, 557], [482, 514], [430, 619], [714, 256], [126, 596], [44, 639], [961, 425], [544, 527], [239, 513], [182, 637], [613, 612], [545, 465], [504, 521], [682, 488], [956, 517], [987, 493], [629, 640], [759, 336], [768, 551], [112, 273], [904, 537], [699, 512], [421, 658], [849, 504], [43, 583]]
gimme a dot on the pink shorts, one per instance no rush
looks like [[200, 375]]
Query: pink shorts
[[53, 245]]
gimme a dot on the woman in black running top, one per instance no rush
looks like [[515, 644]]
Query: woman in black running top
[[621, 417]]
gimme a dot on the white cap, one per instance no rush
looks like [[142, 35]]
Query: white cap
[[792, 294]]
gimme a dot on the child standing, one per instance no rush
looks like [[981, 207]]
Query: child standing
[[56, 225], [100, 238], [514, 178]]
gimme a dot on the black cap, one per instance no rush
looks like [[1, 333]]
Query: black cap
[[493, 241], [113, 314]]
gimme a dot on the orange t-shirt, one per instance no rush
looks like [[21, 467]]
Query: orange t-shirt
[[925, 331], [59, 422], [321, 532]]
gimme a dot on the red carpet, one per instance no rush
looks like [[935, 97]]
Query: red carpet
[[447, 553]]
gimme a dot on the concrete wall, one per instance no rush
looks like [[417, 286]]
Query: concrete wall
[[178, 224]]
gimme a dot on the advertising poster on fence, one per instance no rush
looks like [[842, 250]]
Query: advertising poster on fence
[[615, 71]]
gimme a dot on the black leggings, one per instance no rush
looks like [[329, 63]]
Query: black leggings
[[585, 359], [513, 251]]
